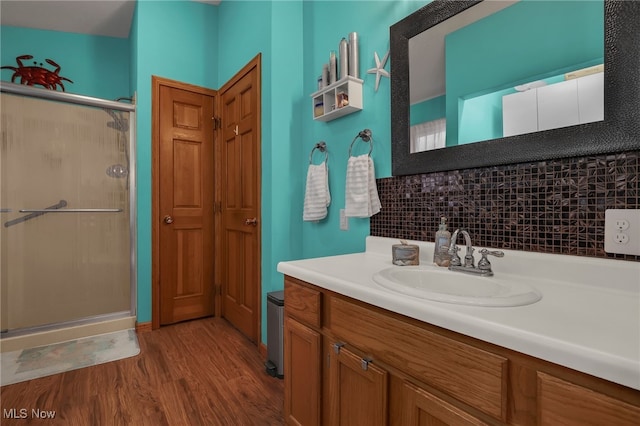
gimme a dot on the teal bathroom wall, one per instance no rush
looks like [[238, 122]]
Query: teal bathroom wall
[[178, 41], [325, 23], [496, 51], [431, 109], [274, 30], [171, 39], [295, 38], [97, 65], [203, 45]]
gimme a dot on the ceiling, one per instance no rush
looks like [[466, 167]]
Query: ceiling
[[110, 18]]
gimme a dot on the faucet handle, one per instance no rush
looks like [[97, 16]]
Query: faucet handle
[[483, 263], [497, 253]]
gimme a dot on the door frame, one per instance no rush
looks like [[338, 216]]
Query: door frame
[[219, 272], [156, 82]]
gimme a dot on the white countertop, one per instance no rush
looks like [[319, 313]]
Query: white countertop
[[588, 318]]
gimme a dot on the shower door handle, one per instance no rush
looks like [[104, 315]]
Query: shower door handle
[[168, 220]]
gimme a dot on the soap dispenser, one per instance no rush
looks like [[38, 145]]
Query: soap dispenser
[[441, 256]]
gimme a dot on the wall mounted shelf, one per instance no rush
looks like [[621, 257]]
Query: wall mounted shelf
[[338, 99]]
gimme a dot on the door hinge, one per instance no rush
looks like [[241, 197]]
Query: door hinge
[[217, 122]]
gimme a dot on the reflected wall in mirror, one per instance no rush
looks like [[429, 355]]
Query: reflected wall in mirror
[[503, 68], [527, 69]]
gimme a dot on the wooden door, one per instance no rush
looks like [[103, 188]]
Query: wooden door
[[421, 408], [183, 202], [302, 369], [358, 390], [240, 200]]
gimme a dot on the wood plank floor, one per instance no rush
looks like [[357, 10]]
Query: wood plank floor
[[201, 372]]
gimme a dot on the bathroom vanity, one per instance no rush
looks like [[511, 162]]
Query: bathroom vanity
[[360, 353]]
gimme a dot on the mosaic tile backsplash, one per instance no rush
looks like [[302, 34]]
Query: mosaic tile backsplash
[[555, 206]]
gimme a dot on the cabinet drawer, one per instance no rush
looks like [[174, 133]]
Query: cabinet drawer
[[471, 375], [302, 302], [564, 403], [420, 408]]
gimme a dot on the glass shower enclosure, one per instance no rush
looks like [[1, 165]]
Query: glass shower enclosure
[[67, 194]]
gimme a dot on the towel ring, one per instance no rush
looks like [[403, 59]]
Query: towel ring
[[322, 147], [365, 135]]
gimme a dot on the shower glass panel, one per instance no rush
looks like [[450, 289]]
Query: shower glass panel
[[65, 240]]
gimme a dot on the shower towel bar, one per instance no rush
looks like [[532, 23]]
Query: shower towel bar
[[62, 203], [56, 208]]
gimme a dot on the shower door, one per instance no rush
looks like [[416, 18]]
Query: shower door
[[65, 242]]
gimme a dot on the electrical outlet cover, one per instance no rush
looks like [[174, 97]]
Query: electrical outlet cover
[[344, 221], [622, 231]]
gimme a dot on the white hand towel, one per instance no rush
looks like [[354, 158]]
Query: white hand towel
[[361, 193], [317, 197], [374, 200]]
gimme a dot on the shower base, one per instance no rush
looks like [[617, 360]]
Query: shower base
[[17, 340]]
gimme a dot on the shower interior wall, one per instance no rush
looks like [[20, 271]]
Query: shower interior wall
[[63, 267]]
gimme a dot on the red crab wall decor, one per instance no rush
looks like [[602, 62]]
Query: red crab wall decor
[[37, 75]]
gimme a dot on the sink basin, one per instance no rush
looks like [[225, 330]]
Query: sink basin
[[442, 285]]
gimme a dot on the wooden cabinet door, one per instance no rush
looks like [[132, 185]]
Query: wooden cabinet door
[[358, 390], [302, 374], [421, 408], [564, 403]]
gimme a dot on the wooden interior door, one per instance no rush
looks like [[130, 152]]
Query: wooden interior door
[[240, 200], [183, 202]]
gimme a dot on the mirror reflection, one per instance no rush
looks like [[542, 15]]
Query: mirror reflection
[[503, 68]]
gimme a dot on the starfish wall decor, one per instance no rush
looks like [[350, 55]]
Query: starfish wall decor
[[379, 70]]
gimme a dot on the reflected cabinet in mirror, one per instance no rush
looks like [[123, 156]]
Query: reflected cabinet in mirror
[[483, 83]]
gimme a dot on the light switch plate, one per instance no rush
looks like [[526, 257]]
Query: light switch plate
[[622, 231], [344, 221]]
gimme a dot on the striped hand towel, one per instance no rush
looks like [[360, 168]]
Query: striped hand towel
[[317, 197], [361, 193]]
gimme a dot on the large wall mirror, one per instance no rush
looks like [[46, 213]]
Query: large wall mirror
[[521, 107]]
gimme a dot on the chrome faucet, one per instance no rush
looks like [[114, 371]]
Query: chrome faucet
[[484, 266], [453, 250]]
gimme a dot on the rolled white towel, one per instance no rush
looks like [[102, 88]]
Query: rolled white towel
[[317, 197]]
